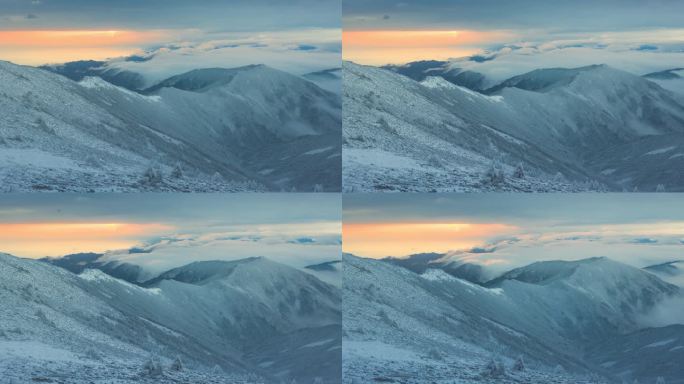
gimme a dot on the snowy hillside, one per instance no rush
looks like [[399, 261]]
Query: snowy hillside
[[330, 272], [420, 70], [420, 263], [672, 272], [590, 128], [79, 262], [249, 128], [434, 327], [329, 79], [249, 321]]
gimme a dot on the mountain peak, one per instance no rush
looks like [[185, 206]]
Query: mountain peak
[[546, 272], [671, 268], [202, 272], [199, 80], [546, 79]]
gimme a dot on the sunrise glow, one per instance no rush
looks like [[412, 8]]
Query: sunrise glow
[[398, 46], [401, 239], [34, 47], [56, 239]]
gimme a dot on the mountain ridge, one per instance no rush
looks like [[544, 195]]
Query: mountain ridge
[[270, 131]]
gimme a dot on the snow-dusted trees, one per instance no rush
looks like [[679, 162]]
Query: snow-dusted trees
[[318, 188], [177, 172], [43, 126], [660, 380], [559, 178], [519, 364], [494, 175], [434, 161], [217, 370], [152, 176], [660, 188], [494, 368], [152, 367], [384, 125], [216, 178], [519, 172], [177, 364]]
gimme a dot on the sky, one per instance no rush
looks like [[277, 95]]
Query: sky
[[298, 36], [504, 38], [508, 231], [162, 231]]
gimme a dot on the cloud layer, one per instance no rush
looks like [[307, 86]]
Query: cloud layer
[[639, 230], [162, 231]]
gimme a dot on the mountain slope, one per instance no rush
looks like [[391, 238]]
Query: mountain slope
[[421, 262], [228, 319], [259, 129], [437, 328], [78, 70], [672, 272], [648, 353], [566, 129], [79, 262], [329, 79], [551, 313], [403, 135], [329, 271], [420, 70]]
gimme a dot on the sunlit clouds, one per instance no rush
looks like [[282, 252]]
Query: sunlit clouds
[[163, 231], [56, 239], [377, 47], [508, 231], [35, 47], [175, 32], [501, 39], [401, 239]]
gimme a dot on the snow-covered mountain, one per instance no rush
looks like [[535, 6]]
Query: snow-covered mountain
[[329, 271], [252, 318], [590, 128], [329, 79], [559, 316], [79, 262], [672, 272], [420, 70], [421, 262], [249, 128], [78, 70]]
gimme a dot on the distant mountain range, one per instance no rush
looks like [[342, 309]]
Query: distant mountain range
[[419, 128], [249, 128], [246, 317], [569, 321]]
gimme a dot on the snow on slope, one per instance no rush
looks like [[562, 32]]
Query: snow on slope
[[437, 323], [63, 135], [419, 263], [329, 79], [408, 136], [329, 271], [420, 70], [399, 325], [228, 320], [565, 126], [648, 353], [672, 272]]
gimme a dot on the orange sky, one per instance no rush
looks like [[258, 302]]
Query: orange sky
[[402, 239], [58, 239], [34, 47], [398, 47]]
